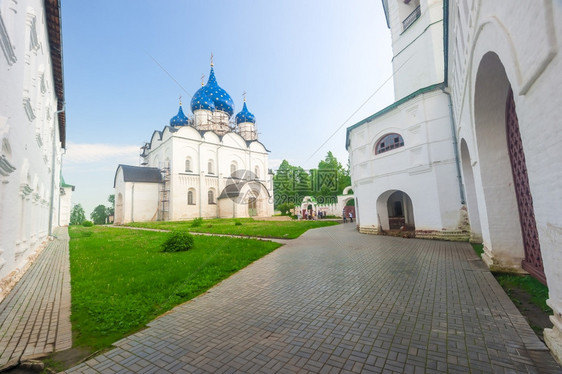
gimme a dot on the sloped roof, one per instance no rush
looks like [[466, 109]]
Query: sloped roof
[[52, 13], [139, 174]]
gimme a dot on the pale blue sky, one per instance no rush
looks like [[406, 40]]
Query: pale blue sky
[[306, 67]]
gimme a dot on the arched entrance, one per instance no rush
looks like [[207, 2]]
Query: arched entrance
[[395, 211], [511, 239], [119, 209], [252, 204], [533, 258]]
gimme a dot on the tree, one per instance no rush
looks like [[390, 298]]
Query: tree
[[111, 209], [99, 215], [291, 184], [77, 215]]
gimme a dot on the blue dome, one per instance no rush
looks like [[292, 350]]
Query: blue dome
[[245, 116], [179, 119], [212, 93], [202, 101]]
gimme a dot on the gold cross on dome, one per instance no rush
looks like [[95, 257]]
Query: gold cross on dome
[[180, 100], [212, 59], [244, 95], [202, 79]]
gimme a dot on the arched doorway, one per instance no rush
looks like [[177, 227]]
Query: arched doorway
[[510, 237], [252, 205], [533, 258], [395, 211]]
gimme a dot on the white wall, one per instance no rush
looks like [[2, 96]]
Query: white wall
[[65, 206], [29, 139], [424, 168], [494, 44], [418, 50]]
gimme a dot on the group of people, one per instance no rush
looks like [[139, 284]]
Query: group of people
[[345, 216], [310, 215]]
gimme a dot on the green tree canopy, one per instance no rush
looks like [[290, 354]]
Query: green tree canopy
[[293, 183], [111, 209], [77, 215], [99, 215]]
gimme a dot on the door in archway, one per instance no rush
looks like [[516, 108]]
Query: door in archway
[[533, 258], [252, 206]]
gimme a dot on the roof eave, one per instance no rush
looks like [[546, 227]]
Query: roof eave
[[53, 19], [421, 91]]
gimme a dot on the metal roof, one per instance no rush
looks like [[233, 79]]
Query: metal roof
[[139, 174], [52, 14]]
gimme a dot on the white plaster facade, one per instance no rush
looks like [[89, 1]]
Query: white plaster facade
[[494, 46], [412, 184], [32, 130], [490, 49]]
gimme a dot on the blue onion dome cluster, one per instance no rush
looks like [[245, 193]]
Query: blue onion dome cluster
[[245, 116], [212, 97], [179, 119]]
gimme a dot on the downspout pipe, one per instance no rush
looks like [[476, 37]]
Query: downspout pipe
[[455, 146], [445, 85], [53, 163]]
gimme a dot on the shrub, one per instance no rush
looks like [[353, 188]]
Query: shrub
[[237, 223], [197, 222], [178, 241], [87, 223]]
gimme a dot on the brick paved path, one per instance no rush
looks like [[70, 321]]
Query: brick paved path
[[35, 315], [337, 301]]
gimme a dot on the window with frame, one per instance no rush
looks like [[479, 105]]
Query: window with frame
[[188, 165], [210, 167], [233, 168], [211, 197], [257, 172], [389, 142], [190, 197]]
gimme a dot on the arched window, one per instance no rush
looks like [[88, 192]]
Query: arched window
[[210, 167], [211, 197], [389, 142], [188, 165], [233, 167], [191, 197], [257, 172]]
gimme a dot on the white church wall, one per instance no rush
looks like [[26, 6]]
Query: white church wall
[[29, 137], [420, 64], [424, 168], [65, 206], [511, 38]]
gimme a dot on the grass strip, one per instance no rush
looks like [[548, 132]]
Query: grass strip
[[121, 280], [245, 226]]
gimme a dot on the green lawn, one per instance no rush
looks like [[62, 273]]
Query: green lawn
[[121, 280], [249, 227]]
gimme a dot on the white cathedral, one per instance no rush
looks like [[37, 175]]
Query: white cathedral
[[471, 146], [209, 165]]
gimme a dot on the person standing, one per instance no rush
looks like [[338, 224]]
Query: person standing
[[350, 217], [344, 217]]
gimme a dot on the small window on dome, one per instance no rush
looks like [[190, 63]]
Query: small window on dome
[[389, 142]]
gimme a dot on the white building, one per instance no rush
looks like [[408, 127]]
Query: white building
[[490, 71], [209, 165], [32, 129]]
